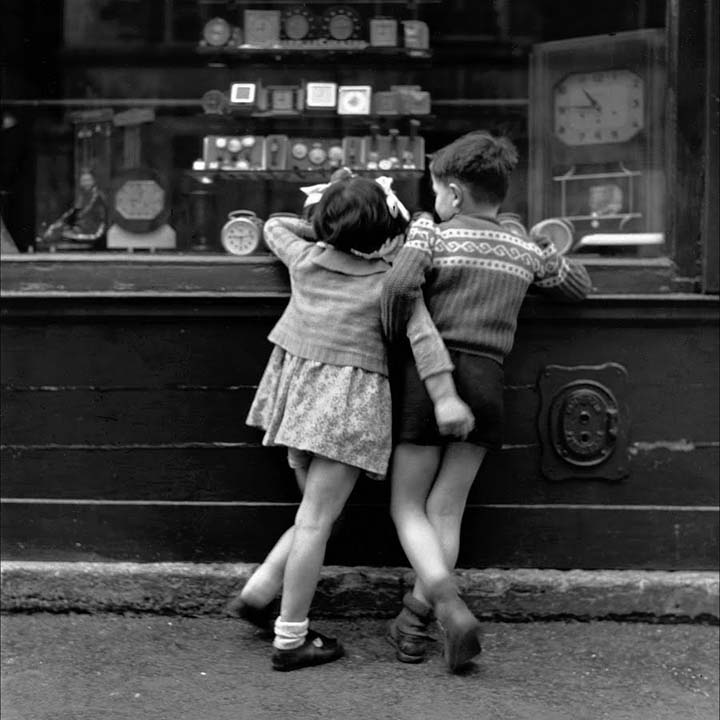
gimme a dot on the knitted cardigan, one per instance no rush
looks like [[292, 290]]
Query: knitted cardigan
[[474, 276], [333, 315]]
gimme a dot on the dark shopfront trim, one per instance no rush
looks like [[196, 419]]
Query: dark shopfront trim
[[218, 285]]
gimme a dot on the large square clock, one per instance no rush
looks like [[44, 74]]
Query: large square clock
[[597, 140]]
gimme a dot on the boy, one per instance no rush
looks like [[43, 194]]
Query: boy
[[474, 276]]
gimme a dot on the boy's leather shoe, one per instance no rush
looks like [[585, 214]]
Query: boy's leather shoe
[[316, 650], [408, 648], [408, 632]]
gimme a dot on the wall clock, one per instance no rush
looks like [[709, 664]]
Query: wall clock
[[597, 135], [341, 23], [297, 23]]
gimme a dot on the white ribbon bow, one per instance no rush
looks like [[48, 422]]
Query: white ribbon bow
[[314, 193]]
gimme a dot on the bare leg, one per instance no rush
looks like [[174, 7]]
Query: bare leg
[[265, 583], [413, 473], [447, 499], [328, 487]]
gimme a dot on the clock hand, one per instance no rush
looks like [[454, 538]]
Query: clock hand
[[595, 104]]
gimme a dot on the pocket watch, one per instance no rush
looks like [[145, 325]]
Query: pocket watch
[[597, 128], [242, 233]]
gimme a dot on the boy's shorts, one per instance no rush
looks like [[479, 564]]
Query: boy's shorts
[[479, 382]]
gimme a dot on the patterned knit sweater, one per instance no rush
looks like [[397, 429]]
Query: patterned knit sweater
[[474, 276]]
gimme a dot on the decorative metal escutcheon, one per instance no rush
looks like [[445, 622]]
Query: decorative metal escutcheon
[[584, 422]]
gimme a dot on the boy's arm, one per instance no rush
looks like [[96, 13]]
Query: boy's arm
[[287, 236], [435, 368], [403, 283], [559, 277]]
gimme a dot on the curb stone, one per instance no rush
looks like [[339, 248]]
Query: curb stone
[[203, 589]]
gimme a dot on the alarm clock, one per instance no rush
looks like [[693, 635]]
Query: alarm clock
[[341, 23], [217, 32], [354, 99], [556, 230], [242, 233], [297, 23], [597, 134]]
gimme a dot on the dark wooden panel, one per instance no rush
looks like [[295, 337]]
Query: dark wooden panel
[[496, 537], [658, 476], [209, 351], [654, 355], [127, 416], [168, 416]]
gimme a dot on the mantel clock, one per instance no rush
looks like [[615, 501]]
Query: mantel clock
[[597, 138]]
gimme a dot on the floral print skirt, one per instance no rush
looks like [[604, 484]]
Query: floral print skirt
[[337, 411]]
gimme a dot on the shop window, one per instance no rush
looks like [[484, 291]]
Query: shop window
[[175, 128]]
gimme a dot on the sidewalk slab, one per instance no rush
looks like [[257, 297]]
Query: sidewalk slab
[[346, 592]]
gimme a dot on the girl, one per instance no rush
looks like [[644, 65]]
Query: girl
[[325, 393]]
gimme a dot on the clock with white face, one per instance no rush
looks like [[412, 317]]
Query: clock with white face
[[606, 106], [597, 151], [242, 233]]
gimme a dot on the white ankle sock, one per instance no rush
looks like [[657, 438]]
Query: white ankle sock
[[290, 635]]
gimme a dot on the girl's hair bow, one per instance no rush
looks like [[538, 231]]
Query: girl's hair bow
[[314, 193], [393, 201]]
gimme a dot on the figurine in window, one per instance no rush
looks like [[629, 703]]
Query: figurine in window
[[84, 224]]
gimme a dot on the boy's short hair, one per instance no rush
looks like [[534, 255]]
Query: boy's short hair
[[480, 161], [352, 214]]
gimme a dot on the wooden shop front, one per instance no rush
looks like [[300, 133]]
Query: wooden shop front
[[129, 359]]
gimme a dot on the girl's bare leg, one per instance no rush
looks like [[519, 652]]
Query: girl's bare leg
[[265, 583], [328, 487]]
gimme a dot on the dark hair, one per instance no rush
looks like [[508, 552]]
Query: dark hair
[[352, 214], [479, 160]]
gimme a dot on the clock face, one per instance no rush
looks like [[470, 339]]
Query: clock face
[[140, 200], [342, 23], [217, 32], [297, 23], [598, 107], [240, 237]]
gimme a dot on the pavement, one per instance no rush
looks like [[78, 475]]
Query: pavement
[[101, 666]]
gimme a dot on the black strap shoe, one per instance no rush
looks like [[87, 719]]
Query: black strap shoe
[[316, 650]]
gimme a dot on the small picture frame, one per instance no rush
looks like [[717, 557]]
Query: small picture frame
[[354, 99], [284, 99], [383, 32], [321, 95], [242, 94], [262, 27]]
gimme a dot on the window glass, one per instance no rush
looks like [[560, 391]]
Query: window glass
[[178, 127]]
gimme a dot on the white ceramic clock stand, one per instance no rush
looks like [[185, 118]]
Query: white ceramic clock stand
[[164, 238]]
